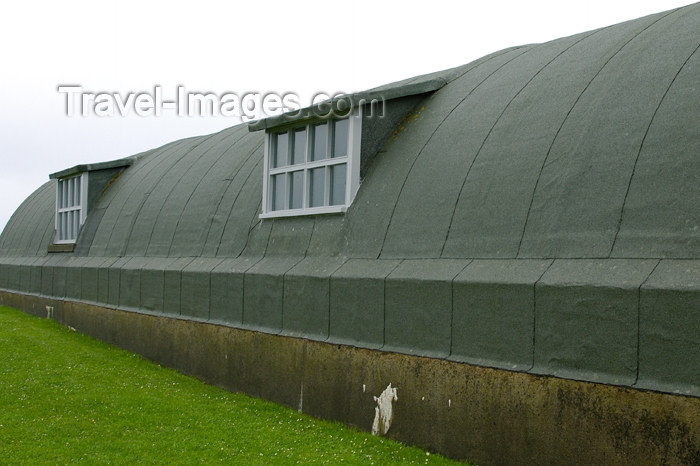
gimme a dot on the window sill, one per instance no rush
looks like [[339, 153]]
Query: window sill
[[336, 209], [61, 247]]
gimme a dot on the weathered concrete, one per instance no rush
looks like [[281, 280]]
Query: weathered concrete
[[488, 416]]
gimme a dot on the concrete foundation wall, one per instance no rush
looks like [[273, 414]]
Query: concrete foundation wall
[[484, 415]]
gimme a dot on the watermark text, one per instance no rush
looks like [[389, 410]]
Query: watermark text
[[184, 103]]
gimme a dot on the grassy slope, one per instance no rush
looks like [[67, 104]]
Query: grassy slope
[[65, 397]]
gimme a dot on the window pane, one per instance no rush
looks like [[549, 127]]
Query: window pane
[[340, 138], [59, 191], [338, 178], [76, 224], [320, 142], [279, 158], [77, 190], [317, 187], [296, 189], [69, 231], [299, 146], [60, 226], [71, 202], [71, 191], [278, 192], [65, 193]]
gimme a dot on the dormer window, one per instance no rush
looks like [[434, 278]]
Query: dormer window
[[71, 202], [314, 157], [77, 190], [312, 168]]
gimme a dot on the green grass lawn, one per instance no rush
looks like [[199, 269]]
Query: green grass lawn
[[65, 398]]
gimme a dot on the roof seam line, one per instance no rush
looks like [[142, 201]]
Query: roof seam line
[[534, 313], [641, 146], [172, 187], [199, 182], [566, 118], [639, 316], [483, 143], [253, 225], [311, 236], [269, 234], [495, 55], [48, 229], [31, 200], [223, 230], [211, 167], [153, 156], [437, 127], [221, 200], [21, 211]]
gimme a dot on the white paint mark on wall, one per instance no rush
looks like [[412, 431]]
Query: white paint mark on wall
[[384, 411], [449, 403], [363, 388], [49, 312]]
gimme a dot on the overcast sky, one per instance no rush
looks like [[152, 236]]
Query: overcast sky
[[299, 47]]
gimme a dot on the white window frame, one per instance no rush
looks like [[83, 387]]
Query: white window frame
[[68, 212], [351, 161]]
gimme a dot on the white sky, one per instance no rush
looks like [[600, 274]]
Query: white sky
[[303, 47]]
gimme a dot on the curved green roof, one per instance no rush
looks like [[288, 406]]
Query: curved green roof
[[582, 147]]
